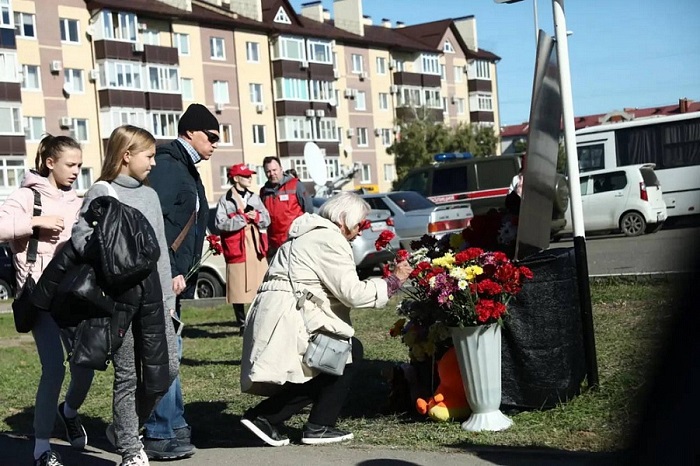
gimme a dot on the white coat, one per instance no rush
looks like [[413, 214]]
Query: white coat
[[276, 332]]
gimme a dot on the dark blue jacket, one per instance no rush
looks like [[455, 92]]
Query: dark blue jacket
[[178, 184]]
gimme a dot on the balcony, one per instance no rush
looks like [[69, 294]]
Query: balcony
[[116, 50], [294, 69], [405, 78]]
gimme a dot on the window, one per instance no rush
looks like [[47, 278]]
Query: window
[[386, 137], [69, 30], [150, 37], [366, 173], [223, 177], [252, 52], [79, 130], [447, 47], [5, 13], [443, 72], [258, 134], [182, 42], [163, 79], [11, 171], [127, 117], [260, 177], [430, 64], [480, 69], [319, 51], [332, 167], [187, 88], [225, 134], [591, 157], [216, 45], [381, 65], [444, 105], [8, 67], [397, 64], [389, 172], [605, 182], [362, 137], [321, 90], [9, 121], [432, 98], [84, 180], [31, 79], [221, 92], [256, 91], [324, 129], [294, 129], [357, 63], [299, 165], [290, 48], [119, 25], [383, 101], [165, 124], [25, 25], [121, 75], [458, 72], [410, 96], [460, 106], [282, 17], [34, 128], [480, 101], [291, 89], [74, 80], [360, 101]]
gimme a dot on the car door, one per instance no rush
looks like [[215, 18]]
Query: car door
[[607, 200]]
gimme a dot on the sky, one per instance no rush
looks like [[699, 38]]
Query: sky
[[622, 53]]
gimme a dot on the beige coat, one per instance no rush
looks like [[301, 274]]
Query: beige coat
[[276, 334]]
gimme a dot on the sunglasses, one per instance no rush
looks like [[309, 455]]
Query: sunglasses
[[213, 138]]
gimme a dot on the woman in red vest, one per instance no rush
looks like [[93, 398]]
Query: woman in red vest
[[243, 220]]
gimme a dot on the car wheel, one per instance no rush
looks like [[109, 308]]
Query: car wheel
[[5, 290], [208, 286], [633, 224]]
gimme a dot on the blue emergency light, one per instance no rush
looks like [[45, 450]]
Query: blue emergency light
[[449, 156]]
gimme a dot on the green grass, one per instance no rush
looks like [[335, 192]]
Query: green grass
[[630, 320]]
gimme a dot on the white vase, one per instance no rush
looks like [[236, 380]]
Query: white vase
[[479, 356]]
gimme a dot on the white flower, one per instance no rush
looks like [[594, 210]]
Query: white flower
[[431, 282], [462, 284]]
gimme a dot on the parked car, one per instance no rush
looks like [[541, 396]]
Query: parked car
[[482, 181], [367, 258], [211, 279], [7, 272], [414, 215], [627, 199]]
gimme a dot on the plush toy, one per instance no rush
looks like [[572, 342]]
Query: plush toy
[[449, 401]]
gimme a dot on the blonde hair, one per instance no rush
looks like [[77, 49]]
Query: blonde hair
[[345, 208], [124, 138], [52, 147]]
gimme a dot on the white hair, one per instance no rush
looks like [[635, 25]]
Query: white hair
[[345, 208]]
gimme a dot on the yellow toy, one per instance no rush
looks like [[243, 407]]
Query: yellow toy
[[449, 401]]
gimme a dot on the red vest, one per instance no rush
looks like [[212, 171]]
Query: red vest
[[283, 207], [233, 242]]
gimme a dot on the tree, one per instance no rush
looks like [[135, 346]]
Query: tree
[[420, 138]]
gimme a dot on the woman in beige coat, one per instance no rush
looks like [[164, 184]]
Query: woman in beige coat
[[317, 259]]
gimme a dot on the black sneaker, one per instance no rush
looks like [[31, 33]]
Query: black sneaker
[[49, 458], [167, 449], [184, 434], [75, 432], [315, 434], [265, 431]]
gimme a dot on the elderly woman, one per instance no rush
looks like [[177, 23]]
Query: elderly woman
[[316, 258]]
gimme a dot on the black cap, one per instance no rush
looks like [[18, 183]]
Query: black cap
[[196, 118]]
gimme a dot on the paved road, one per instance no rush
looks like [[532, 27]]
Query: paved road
[[671, 250]]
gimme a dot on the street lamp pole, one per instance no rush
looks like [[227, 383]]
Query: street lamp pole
[[575, 191], [537, 23]]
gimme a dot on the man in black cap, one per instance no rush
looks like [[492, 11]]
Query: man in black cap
[[185, 210]]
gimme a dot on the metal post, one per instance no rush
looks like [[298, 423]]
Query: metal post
[[537, 22], [575, 192]]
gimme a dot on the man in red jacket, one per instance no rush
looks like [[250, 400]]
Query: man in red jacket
[[285, 198]]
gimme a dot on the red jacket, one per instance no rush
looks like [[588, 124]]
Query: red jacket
[[283, 207]]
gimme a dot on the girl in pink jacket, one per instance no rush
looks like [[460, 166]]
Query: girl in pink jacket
[[58, 162]]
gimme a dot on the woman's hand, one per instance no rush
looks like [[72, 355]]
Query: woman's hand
[[402, 271], [53, 223]]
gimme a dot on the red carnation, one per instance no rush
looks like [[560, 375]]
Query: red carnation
[[402, 255], [365, 224], [384, 239]]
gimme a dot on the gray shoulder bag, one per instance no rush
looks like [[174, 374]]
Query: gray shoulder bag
[[326, 352]]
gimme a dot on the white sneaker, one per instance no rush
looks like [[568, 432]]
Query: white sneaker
[[139, 460]]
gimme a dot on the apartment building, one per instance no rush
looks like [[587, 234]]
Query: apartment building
[[275, 78]]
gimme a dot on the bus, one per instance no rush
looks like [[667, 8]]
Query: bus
[[671, 143]]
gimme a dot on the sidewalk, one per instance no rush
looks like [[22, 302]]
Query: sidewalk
[[16, 450]]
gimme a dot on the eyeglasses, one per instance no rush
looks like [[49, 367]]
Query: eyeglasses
[[213, 138]]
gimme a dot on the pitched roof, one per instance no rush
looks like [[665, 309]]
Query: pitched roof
[[431, 34]]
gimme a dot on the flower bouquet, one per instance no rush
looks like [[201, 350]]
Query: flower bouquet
[[215, 248]]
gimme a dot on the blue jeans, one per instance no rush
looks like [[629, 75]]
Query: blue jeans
[[168, 415]]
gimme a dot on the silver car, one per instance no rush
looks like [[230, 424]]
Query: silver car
[[414, 215]]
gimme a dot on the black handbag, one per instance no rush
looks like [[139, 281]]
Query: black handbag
[[23, 311]]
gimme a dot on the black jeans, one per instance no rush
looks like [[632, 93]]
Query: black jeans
[[326, 392]]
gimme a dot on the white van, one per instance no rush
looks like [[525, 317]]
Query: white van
[[627, 199]]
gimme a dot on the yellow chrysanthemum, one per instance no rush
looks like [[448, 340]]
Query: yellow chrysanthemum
[[445, 261], [473, 271]]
